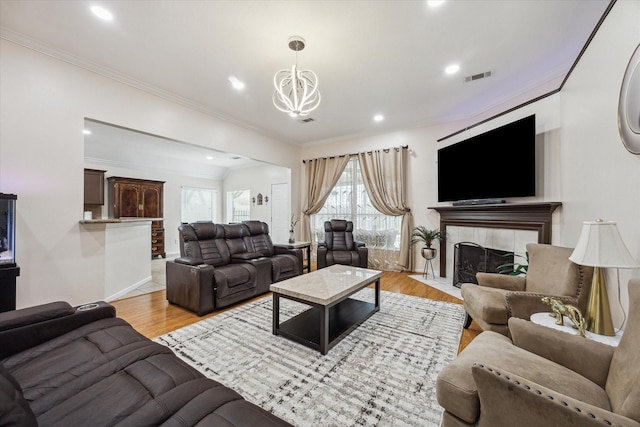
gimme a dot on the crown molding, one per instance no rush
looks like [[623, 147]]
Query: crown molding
[[36, 45]]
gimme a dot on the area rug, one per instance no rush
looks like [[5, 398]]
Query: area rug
[[382, 374]]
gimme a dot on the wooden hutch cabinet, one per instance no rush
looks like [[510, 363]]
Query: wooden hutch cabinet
[[139, 198]]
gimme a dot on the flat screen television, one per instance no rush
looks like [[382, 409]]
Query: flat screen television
[[490, 167]]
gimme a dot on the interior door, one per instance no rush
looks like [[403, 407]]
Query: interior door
[[280, 208]]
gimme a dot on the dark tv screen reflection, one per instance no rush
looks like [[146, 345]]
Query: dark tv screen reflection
[[497, 164]]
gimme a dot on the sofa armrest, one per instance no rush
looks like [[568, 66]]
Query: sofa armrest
[[190, 286], [588, 358], [501, 281], [189, 261], [363, 253], [506, 397], [39, 313], [298, 253], [359, 244], [28, 327], [321, 255], [523, 304]]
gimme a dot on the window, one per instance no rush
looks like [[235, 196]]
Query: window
[[349, 200], [238, 206], [198, 204]]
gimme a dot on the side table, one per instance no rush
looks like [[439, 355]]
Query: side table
[[545, 320], [305, 246]]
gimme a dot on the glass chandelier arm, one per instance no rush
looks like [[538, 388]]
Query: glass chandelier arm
[[280, 99], [294, 87], [296, 91]]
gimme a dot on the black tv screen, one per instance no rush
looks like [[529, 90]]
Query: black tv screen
[[497, 164]]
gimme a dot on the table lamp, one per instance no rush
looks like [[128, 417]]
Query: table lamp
[[601, 246]]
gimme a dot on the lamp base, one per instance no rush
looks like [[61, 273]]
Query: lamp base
[[598, 316]]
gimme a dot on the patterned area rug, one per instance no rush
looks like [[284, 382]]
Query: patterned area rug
[[382, 374]]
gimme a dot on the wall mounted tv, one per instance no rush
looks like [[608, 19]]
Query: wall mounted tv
[[490, 167]]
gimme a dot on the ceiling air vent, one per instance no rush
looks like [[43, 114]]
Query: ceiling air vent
[[307, 120], [477, 76]]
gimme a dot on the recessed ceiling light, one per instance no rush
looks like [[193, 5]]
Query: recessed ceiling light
[[378, 117], [434, 3], [452, 69], [293, 114], [102, 13], [237, 84], [86, 131], [209, 157]]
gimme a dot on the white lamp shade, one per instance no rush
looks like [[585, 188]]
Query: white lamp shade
[[600, 245]]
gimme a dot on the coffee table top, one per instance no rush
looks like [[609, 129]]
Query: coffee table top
[[327, 285]]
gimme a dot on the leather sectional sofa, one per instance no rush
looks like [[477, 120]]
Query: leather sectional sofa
[[222, 264], [66, 366]]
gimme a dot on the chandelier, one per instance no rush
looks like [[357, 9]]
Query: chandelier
[[296, 90]]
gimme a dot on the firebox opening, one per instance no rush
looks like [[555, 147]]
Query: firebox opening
[[470, 258]]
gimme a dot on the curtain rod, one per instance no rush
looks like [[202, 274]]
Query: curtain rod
[[386, 150]]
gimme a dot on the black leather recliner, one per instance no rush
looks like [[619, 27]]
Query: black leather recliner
[[339, 247]]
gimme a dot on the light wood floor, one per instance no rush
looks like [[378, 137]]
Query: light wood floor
[[153, 316]]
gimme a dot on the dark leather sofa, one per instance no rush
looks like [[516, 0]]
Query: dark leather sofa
[[64, 366], [222, 264]]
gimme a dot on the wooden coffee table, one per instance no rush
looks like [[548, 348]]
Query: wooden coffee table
[[332, 314]]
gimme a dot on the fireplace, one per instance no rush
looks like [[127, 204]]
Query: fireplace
[[470, 258]]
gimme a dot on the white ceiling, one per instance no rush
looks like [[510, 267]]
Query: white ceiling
[[371, 57], [110, 145]]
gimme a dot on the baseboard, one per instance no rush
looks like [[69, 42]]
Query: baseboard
[[128, 289]]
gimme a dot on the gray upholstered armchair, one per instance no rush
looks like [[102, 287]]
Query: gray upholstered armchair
[[339, 247], [498, 297], [545, 377]]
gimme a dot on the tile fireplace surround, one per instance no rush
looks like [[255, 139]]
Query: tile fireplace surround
[[508, 227]]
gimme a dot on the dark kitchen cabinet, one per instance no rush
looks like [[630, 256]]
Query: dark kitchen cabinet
[[139, 198]]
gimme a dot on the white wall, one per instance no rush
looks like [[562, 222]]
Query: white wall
[[600, 178], [43, 106], [585, 165]]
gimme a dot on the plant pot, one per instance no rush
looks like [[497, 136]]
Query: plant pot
[[428, 253]]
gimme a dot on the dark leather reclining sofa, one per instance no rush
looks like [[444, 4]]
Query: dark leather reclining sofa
[[64, 366], [222, 264]]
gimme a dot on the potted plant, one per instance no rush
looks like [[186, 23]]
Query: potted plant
[[427, 237], [515, 268], [294, 221]]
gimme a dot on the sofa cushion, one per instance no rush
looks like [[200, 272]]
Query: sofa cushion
[[258, 239], [457, 392], [488, 304], [623, 383], [106, 373], [14, 409], [233, 278], [234, 238], [339, 235]]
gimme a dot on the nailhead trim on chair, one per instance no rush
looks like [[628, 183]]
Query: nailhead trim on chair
[[540, 393]]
